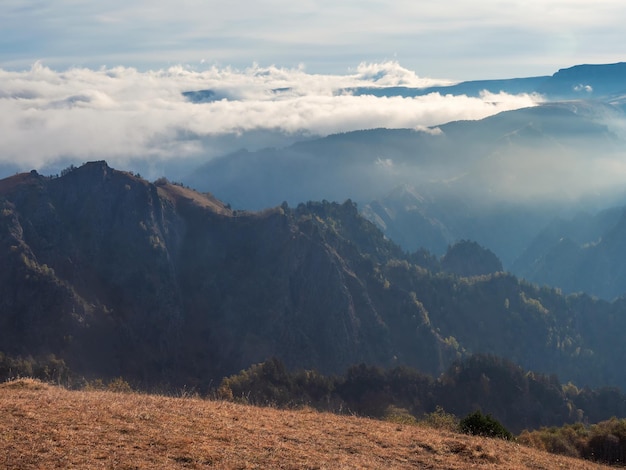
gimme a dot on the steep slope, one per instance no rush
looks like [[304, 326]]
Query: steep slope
[[163, 285], [160, 283], [414, 220], [90, 264], [582, 254]]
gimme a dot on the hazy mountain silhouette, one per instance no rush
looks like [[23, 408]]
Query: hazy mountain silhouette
[[577, 82], [498, 180], [585, 254]]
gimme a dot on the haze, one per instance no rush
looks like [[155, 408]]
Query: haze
[[122, 114], [84, 81]]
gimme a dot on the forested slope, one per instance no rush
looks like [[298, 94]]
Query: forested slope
[[162, 285]]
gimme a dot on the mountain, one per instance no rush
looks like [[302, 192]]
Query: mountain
[[578, 82], [164, 285], [498, 181], [477, 158], [414, 220], [472, 88], [158, 282], [585, 253], [425, 221], [602, 80], [467, 258]]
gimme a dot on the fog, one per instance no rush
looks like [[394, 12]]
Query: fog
[[563, 155], [141, 119]]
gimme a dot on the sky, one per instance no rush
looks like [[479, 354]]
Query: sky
[[455, 39], [120, 114], [83, 80]]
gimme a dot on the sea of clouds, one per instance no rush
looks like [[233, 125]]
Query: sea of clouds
[[122, 114]]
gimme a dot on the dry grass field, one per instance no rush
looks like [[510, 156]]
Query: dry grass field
[[47, 427]]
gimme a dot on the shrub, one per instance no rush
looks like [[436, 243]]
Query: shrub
[[270, 383], [395, 414], [119, 385], [93, 385], [607, 442], [479, 424], [567, 440], [439, 419]]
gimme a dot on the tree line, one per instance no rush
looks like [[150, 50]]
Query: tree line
[[519, 399]]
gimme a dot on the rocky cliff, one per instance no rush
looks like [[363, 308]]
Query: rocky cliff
[[164, 285], [158, 282]]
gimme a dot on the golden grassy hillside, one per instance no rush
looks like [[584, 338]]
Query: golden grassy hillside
[[47, 427]]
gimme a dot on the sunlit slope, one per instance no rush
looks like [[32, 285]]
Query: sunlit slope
[[48, 427]]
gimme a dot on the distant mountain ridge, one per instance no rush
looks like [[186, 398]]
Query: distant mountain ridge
[[472, 88], [577, 82], [584, 81], [363, 164], [584, 254], [474, 178]]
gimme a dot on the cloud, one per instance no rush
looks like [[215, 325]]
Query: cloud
[[391, 73], [384, 162], [480, 39], [121, 113]]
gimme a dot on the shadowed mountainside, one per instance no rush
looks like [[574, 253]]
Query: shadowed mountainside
[[158, 282], [163, 285]]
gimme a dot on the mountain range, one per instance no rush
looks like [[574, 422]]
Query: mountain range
[[502, 181], [502, 236], [163, 285], [604, 81], [597, 81]]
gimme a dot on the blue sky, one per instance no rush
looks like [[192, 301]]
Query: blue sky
[[456, 39]]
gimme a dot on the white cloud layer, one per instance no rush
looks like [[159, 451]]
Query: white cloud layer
[[121, 113]]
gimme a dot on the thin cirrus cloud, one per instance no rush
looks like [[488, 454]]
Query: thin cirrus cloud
[[459, 39], [121, 113]]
